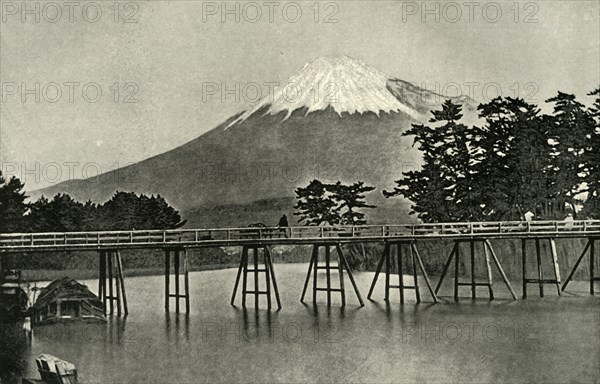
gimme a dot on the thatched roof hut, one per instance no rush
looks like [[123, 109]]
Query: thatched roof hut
[[66, 299]]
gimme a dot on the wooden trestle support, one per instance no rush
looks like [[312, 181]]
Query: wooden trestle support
[[267, 269], [540, 278], [342, 264], [387, 257], [591, 247], [177, 261], [111, 284], [455, 254]]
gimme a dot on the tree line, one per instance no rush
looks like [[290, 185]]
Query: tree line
[[333, 204], [124, 211], [518, 161]]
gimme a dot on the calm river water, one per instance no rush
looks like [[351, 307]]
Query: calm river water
[[546, 340]]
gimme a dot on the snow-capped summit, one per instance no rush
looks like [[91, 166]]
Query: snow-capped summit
[[340, 82]]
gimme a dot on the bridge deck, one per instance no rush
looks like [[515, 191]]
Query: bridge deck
[[197, 238]]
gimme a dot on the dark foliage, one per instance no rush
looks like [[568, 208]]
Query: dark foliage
[[332, 204], [12, 205], [124, 211], [591, 207], [520, 161], [444, 189]]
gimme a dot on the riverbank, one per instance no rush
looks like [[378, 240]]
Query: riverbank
[[38, 275]]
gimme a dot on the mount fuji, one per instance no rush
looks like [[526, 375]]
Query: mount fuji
[[336, 119]]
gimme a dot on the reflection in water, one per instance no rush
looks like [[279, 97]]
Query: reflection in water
[[256, 324], [115, 331], [177, 325], [338, 344], [385, 308]]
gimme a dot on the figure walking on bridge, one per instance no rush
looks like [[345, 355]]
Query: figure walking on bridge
[[283, 225]]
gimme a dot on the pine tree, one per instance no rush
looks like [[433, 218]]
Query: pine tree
[[445, 189], [332, 204], [570, 127], [61, 214], [127, 211], [12, 205], [591, 205], [514, 160], [351, 198], [315, 205]]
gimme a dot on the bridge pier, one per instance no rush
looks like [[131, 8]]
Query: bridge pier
[[177, 261], [111, 277], [341, 265], [387, 257], [2, 267], [455, 254], [540, 278], [268, 270], [591, 247]]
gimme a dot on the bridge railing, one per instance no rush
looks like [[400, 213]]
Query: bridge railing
[[233, 235]]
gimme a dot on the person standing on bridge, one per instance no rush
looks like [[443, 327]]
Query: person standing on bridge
[[283, 224]]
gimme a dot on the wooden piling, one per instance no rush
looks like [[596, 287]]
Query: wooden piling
[[415, 278], [539, 262], [473, 287], [446, 267], [423, 271], [328, 274], [186, 278], [489, 272], [524, 264], [341, 278], [310, 266], [118, 284], [269, 261], [315, 268], [592, 264], [255, 253], [456, 263], [122, 278], [555, 265], [167, 278], [400, 274], [176, 272], [378, 270], [387, 272], [110, 282], [237, 279]]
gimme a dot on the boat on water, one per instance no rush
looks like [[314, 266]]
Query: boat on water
[[53, 370], [65, 300]]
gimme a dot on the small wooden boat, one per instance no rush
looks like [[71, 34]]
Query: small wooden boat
[[53, 370], [65, 299]]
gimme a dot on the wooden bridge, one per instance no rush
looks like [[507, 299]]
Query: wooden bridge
[[258, 241]]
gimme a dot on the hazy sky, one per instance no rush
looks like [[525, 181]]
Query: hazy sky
[[178, 48]]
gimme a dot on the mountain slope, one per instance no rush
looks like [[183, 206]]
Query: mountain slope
[[266, 152]]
